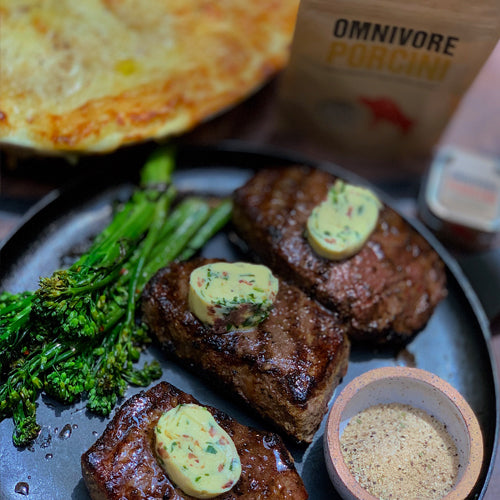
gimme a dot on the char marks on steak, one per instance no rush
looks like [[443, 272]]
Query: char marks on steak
[[387, 291], [286, 368], [122, 464]]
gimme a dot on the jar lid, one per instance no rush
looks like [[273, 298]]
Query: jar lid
[[464, 188]]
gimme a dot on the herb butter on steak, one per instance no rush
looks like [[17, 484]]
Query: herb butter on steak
[[285, 368], [122, 463], [386, 292]]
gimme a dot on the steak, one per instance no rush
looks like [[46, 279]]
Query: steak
[[285, 369], [122, 464], [386, 292]]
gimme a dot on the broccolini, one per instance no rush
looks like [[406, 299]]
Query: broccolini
[[78, 334]]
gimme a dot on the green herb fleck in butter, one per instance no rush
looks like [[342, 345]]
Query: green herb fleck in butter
[[232, 295], [339, 227], [196, 453]]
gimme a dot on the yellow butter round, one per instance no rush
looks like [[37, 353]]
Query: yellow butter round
[[339, 226], [232, 295], [197, 454]]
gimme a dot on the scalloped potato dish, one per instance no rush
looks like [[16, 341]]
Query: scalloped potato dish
[[98, 74]]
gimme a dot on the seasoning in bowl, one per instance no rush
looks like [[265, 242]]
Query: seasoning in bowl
[[396, 450], [400, 432]]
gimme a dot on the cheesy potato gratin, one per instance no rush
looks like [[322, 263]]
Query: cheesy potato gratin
[[94, 75]]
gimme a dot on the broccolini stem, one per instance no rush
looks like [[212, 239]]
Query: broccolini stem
[[151, 238], [218, 218], [157, 172], [195, 214], [189, 216], [77, 334], [136, 216]]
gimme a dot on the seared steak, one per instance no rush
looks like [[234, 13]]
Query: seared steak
[[387, 291], [286, 368], [122, 464]]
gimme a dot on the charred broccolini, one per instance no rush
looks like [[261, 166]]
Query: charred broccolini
[[77, 335]]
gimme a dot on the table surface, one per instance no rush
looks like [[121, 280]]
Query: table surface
[[475, 126]]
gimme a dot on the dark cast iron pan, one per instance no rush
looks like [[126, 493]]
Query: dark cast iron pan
[[454, 345]]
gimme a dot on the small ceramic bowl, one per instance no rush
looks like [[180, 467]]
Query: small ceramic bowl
[[417, 388]]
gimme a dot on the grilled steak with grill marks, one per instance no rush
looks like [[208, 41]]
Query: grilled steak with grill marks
[[122, 464], [387, 291], [286, 368]]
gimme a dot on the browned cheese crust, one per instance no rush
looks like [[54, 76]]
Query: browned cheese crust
[[95, 75], [286, 368], [122, 464], [387, 291]]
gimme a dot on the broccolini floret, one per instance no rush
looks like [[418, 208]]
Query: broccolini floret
[[78, 335]]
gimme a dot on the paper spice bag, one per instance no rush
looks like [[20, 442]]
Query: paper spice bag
[[382, 78]]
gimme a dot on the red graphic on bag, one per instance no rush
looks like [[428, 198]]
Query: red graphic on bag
[[385, 109]]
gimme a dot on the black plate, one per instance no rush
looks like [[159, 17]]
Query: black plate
[[454, 345]]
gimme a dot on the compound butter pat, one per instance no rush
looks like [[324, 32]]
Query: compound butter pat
[[196, 453], [339, 226], [232, 295]]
